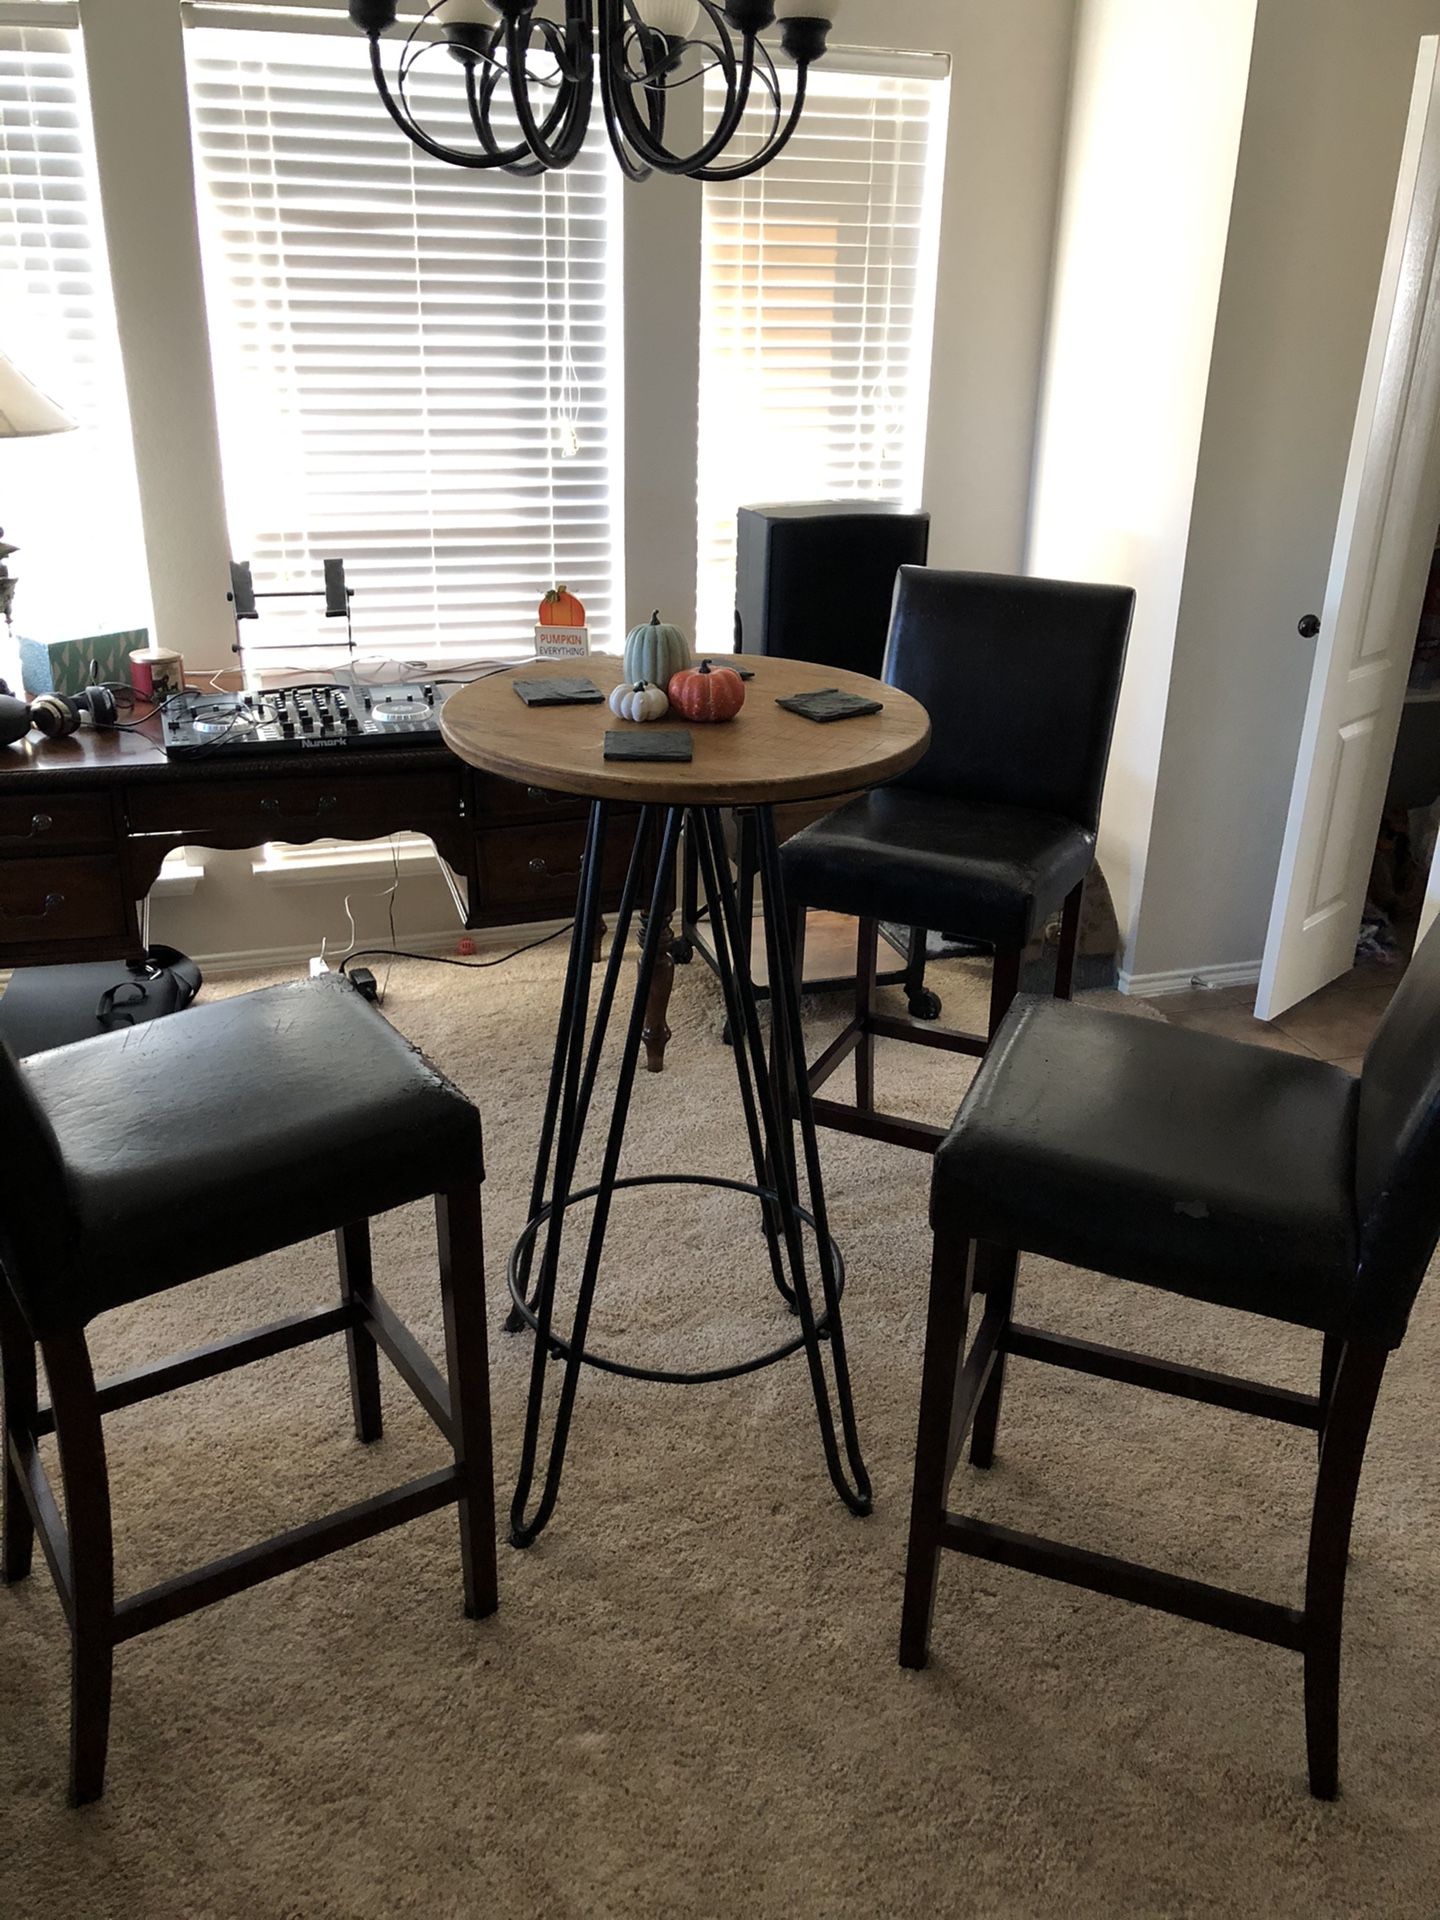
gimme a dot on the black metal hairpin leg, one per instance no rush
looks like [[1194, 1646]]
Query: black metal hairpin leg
[[524, 1531], [780, 1097], [768, 1128], [592, 867], [793, 1083], [705, 837]]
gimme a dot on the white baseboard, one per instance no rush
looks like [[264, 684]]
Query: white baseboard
[[263, 959], [1150, 986]]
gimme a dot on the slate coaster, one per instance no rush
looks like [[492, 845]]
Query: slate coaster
[[728, 660], [648, 743], [558, 692], [829, 704]]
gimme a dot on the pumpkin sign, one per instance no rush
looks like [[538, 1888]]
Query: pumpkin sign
[[560, 608], [640, 702], [708, 693], [655, 652]]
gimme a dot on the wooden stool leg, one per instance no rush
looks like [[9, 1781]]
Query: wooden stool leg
[[357, 1284], [1069, 942], [1004, 985], [92, 1560], [462, 1292], [866, 964], [995, 1275], [17, 1364], [1342, 1455], [950, 1277]]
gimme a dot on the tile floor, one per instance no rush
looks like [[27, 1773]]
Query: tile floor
[[1334, 1024]]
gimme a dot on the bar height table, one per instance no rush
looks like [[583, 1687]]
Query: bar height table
[[762, 758]]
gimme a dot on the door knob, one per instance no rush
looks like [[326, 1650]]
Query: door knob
[[1309, 626]]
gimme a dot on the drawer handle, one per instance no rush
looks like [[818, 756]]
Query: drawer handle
[[52, 901], [325, 804], [39, 823], [549, 799], [554, 873]]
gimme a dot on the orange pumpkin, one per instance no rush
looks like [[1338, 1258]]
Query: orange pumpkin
[[707, 692], [560, 608]]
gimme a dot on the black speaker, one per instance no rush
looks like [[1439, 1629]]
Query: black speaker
[[817, 582], [242, 591], [337, 600]]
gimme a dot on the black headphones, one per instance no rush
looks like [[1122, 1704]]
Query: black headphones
[[55, 715], [58, 714]]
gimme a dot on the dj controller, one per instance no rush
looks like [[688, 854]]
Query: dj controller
[[317, 717]]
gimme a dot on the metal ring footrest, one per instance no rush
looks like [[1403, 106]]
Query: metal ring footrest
[[666, 1376]]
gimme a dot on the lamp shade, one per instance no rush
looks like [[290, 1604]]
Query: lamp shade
[[24, 409]]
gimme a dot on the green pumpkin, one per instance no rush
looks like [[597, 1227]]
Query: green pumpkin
[[656, 653]]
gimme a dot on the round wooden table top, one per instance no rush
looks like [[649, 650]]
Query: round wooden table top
[[762, 757]]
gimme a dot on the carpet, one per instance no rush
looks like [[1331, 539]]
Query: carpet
[[689, 1702]]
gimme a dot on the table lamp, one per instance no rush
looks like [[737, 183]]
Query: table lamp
[[24, 411]]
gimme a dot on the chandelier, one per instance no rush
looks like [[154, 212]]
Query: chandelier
[[541, 74]]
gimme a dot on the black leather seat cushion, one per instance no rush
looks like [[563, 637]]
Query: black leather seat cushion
[[1209, 1167], [229, 1131], [993, 873]]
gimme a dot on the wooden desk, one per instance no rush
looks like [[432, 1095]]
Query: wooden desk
[[86, 823]]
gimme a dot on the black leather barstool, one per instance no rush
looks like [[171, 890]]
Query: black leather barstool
[[995, 829], [140, 1160], [1262, 1181]]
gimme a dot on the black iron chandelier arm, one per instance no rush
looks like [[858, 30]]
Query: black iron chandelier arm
[[576, 94], [744, 169], [479, 89], [649, 145], [610, 83], [453, 156]]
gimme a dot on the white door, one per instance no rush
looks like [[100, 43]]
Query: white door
[[1384, 540]]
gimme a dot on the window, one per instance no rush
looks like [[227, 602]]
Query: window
[[413, 365], [818, 309], [70, 500]]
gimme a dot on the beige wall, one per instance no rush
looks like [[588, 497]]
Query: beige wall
[[1007, 116], [1324, 124], [1155, 114], [1011, 67]]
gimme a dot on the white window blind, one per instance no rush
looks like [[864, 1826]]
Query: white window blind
[[68, 501], [818, 310], [413, 364]]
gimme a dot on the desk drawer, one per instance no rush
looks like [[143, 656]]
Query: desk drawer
[[77, 898], [538, 868], [342, 805], [505, 800], [44, 822]]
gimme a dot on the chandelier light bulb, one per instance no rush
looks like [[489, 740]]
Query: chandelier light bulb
[[464, 13], [676, 19]]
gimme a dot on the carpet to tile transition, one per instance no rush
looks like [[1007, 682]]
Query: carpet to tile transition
[[689, 1703]]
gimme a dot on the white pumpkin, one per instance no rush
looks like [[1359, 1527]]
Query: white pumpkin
[[639, 702]]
